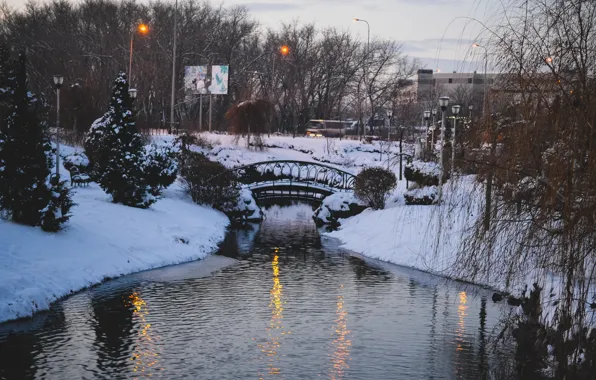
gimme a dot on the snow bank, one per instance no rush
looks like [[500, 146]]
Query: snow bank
[[102, 240], [410, 235], [336, 205]]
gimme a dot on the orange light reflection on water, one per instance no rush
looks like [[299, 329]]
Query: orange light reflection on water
[[341, 343], [145, 353], [275, 330]]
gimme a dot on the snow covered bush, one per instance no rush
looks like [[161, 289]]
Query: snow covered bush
[[423, 173], [27, 195], [119, 161], [425, 196], [373, 185], [76, 159], [337, 206], [209, 183], [160, 168], [245, 209]]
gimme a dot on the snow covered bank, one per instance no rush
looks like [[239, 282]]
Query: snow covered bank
[[102, 240], [426, 238]]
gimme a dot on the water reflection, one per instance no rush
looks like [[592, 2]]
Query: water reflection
[[275, 330], [349, 318], [145, 355], [341, 343]]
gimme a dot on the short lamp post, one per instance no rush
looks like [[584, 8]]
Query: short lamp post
[[58, 80], [471, 108], [455, 110], [434, 113], [389, 116], [443, 103]]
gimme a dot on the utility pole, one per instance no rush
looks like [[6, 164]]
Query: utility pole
[[172, 100]]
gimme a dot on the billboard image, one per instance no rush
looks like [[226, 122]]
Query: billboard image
[[219, 80], [195, 79]]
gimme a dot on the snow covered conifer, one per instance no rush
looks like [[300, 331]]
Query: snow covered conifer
[[116, 151], [26, 160]]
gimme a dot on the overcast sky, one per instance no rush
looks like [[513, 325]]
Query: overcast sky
[[426, 28]]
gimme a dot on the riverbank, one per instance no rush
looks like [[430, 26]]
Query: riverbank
[[102, 240]]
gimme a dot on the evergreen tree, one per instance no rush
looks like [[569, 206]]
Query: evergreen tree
[[117, 153], [26, 160]]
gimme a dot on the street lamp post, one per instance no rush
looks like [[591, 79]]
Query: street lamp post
[[471, 108], [455, 110], [426, 115], [58, 80], [173, 95], [485, 76], [142, 29], [367, 52], [443, 103], [283, 50], [434, 127], [389, 115]]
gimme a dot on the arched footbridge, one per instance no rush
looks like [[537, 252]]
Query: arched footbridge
[[293, 179]]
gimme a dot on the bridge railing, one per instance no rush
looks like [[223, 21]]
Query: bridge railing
[[299, 172]]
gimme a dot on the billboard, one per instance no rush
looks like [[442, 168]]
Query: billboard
[[195, 80], [219, 80]]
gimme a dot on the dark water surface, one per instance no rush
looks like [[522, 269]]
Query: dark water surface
[[292, 306]]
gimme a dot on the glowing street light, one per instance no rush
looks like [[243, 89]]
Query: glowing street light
[[143, 30], [284, 50]]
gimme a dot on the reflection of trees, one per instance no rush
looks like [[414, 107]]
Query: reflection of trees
[[113, 324], [364, 271], [17, 356], [482, 365]]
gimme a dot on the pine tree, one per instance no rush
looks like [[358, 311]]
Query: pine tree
[[26, 195], [117, 153]]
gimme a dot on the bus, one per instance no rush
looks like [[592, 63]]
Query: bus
[[328, 128]]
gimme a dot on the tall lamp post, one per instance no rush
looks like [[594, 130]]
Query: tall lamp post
[[443, 103], [455, 110], [367, 52], [173, 95], [426, 115], [434, 113], [485, 75], [58, 80], [142, 29], [284, 50]]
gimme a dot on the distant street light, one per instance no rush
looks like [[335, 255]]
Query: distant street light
[[455, 110], [143, 29], [284, 50], [485, 75], [132, 93], [443, 103], [471, 108], [367, 52], [58, 80]]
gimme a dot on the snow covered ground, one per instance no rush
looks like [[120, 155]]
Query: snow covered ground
[[102, 240], [349, 155]]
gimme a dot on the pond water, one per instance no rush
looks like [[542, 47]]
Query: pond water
[[278, 301]]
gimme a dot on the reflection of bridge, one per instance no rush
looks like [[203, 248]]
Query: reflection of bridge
[[293, 179]]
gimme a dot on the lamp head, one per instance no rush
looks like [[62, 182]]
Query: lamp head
[[284, 50], [455, 109], [426, 115], [58, 80], [434, 112], [443, 102], [132, 93]]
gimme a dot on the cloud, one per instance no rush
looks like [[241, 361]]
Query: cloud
[[262, 7]]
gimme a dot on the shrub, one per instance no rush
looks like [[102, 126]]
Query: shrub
[[425, 196], [160, 168], [423, 173], [209, 183], [373, 185], [76, 159]]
